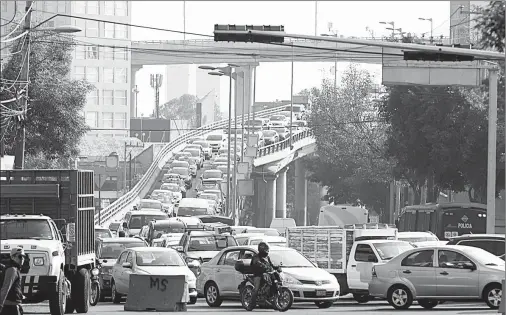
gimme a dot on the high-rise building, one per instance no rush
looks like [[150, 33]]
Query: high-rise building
[[101, 56], [462, 21], [208, 86], [176, 81]]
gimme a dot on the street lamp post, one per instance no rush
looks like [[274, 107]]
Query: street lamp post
[[226, 71], [19, 158], [392, 23], [431, 27]]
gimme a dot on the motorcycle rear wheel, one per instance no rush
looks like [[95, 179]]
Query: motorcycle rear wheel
[[246, 294], [95, 293], [283, 299]]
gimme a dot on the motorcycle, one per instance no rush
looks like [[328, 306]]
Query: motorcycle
[[95, 284], [272, 293]]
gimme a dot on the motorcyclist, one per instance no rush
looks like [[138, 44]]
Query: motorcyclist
[[261, 265]]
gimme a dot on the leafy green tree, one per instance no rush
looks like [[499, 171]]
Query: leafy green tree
[[185, 108], [54, 120], [490, 24]]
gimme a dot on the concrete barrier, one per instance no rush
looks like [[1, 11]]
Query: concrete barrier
[[157, 293]]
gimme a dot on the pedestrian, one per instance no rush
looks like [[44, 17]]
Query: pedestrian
[[11, 293]]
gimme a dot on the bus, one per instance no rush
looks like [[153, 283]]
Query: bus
[[446, 220]]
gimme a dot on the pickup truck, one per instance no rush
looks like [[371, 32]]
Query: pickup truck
[[36, 206], [348, 253]]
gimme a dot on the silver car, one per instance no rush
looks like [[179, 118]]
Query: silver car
[[439, 273]]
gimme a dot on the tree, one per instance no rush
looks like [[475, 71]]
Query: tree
[[350, 139], [185, 108], [54, 120], [490, 24]]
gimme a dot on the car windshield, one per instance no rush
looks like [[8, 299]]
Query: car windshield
[[160, 195], [211, 243], [290, 259], [138, 221], [181, 171], [179, 164], [173, 188], [212, 174], [193, 152], [389, 250], [102, 233], [216, 193], [214, 137], [114, 226], [269, 133], [417, 239], [156, 258], [485, 257], [279, 130], [25, 229], [205, 145], [191, 211], [150, 205], [113, 250]]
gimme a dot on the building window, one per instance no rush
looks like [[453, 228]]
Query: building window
[[49, 6], [108, 75], [79, 73], [4, 6], [92, 119], [92, 52], [92, 99], [108, 53], [120, 97], [92, 29], [120, 136], [92, 7], [121, 31], [121, 8], [108, 30], [80, 52], [107, 120], [62, 6], [120, 53], [92, 74], [109, 7], [108, 97], [120, 75], [80, 23], [80, 7], [120, 120]]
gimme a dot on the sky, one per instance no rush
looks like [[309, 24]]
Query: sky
[[348, 18]]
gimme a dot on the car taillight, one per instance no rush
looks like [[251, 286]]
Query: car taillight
[[374, 271]]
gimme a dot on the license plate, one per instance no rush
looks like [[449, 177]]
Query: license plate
[[321, 292]]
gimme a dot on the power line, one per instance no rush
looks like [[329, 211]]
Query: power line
[[13, 15]]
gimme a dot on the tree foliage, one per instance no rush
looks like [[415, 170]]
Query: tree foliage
[[185, 108], [350, 139], [490, 24], [54, 120]]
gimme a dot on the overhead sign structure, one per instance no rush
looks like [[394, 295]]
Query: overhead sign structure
[[251, 152], [242, 167], [253, 140], [245, 187]]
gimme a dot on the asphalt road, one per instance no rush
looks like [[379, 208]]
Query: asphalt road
[[343, 307]]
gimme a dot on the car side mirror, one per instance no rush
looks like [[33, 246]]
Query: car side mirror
[[469, 265], [179, 248], [127, 265], [372, 258], [194, 264], [104, 261]]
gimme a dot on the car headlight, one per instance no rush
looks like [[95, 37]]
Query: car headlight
[[38, 261], [287, 279], [95, 272]]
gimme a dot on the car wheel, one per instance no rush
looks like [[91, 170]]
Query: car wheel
[[324, 304], [399, 297], [361, 298], [428, 304], [493, 295], [115, 296], [193, 300], [212, 294]]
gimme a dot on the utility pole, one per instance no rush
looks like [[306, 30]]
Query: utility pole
[[156, 82], [136, 91], [19, 155]]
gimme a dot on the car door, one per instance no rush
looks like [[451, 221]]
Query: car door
[[125, 278], [117, 270], [225, 273], [418, 269], [452, 279], [359, 271]]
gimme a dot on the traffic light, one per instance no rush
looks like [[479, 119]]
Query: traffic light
[[241, 33], [430, 56]]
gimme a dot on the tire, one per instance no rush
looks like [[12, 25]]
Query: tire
[[361, 298], [284, 300], [115, 296], [428, 304], [58, 302], [399, 297], [324, 304], [492, 295], [81, 285], [212, 294], [95, 295], [245, 294], [193, 300]]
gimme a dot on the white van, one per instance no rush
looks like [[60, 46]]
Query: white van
[[281, 224], [189, 207]]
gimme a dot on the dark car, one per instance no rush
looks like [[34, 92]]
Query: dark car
[[492, 243]]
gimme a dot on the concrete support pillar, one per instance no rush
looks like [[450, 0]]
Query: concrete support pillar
[[244, 88], [133, 99], [264, 201], [281, 194], [300, 194]]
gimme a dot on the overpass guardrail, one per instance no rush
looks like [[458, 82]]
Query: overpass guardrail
[[126, 201], [281, 145]]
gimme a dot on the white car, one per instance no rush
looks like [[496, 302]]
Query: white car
[[151, 261], [420, 239], [218, 280], [215, 140], [102, 232], [255, 239]]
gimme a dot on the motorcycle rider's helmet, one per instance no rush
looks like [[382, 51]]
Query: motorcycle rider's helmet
[[263, 249]]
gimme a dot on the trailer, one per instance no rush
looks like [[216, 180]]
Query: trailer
[[50, 213]]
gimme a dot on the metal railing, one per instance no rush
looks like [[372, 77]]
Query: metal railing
[[281, 145], [125, 202]]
